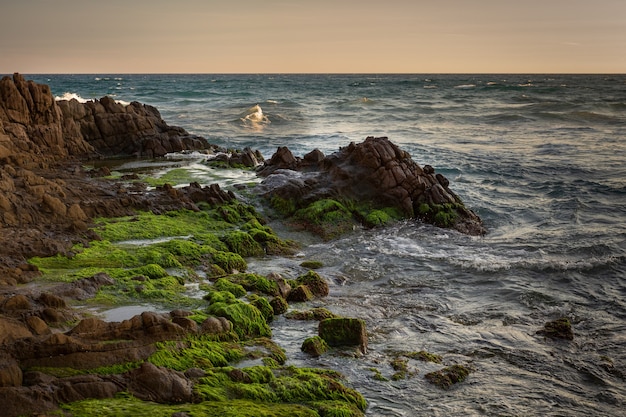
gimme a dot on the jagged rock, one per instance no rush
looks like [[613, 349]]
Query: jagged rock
[[375, 172]]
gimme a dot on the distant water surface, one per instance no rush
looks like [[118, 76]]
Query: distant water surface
[[541, 158]]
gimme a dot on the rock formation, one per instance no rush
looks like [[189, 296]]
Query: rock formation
[[376, 172], [46, 197]]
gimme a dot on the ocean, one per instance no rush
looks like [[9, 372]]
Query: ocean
[[541, 158]]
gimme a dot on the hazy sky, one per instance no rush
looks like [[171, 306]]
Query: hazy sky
[[214, 36]]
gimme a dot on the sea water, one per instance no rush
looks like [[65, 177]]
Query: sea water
[[541, 158]]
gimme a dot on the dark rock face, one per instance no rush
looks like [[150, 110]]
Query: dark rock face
[[374, 171], [114, 129]]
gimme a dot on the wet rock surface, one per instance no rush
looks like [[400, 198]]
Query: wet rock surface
[[375, 171]]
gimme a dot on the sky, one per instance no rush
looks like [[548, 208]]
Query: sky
[[314, 36]]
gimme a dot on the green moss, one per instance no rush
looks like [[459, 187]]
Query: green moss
[[285, 207], [248, 321], [382, 217], [217, 408], [317, 285], [229, 261], [318, 313], [448, 376], [263, 305], [243, 244], [224, 284], [255, 283], [312, 264], [195, 352], [423, 356], [314, 346]]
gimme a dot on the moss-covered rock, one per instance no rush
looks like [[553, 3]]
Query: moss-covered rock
[[314, 346], [279, 305], [317, 285], [223, 284], [318, 314], [248, 321], [448, 376], [311, 264], [242, 243], [558, 329], [301, 293], [344, 332]]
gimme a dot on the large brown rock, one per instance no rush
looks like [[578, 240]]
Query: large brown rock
[[375, 172], [161, 385]]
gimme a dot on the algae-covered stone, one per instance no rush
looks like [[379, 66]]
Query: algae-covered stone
[[317, 285], [318, 314], [344, 332], [279, 305], [248, 321], [446, 377], [314, 346], [558, 329], [300, 294]]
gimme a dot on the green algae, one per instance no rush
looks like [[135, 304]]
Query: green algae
[[327, 218], [442, 215], [318, 314], [223, 284], [378, 376], [248, 321], [446, 377], [242, 243], [175, 176], [423, 356], [343, 332], [382, 217], [255, 282], [312, 264], [317, 285], [229, 261], [314, 346], [196, 352], [217, 408], [263, 306]]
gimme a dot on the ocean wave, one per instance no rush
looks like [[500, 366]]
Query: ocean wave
[[71, 96], [254, 118]]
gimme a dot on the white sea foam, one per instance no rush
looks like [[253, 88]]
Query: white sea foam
[[254, 117], [69, 96]]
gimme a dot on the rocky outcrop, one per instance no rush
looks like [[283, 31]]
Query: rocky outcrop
[[36, 130], [114, 129], [46, 198], [376, 172]]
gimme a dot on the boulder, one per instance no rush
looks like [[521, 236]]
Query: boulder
[[158, 384], [375, 173], [344, 332]]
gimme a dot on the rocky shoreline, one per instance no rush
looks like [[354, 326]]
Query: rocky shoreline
[[54, 354]]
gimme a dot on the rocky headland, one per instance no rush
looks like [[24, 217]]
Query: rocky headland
[[55, 354]]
